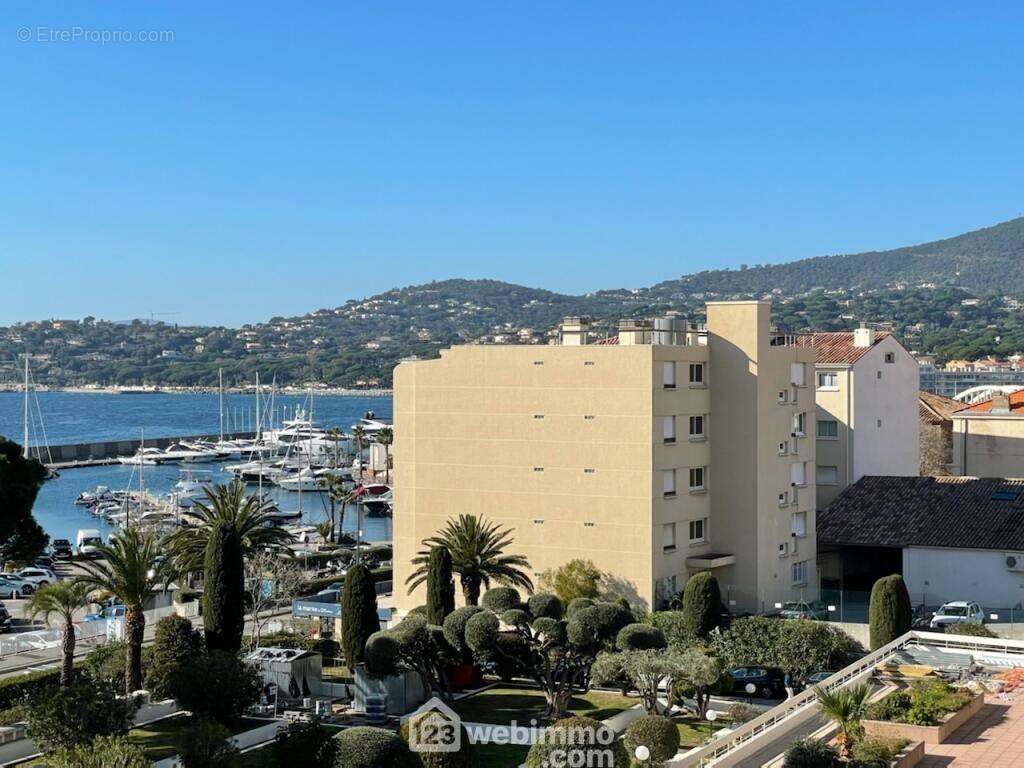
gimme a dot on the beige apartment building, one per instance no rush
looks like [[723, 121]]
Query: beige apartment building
[[867, 389], [988, 438], [655, 453]]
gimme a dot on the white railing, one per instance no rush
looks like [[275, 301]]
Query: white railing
[[802, 703]]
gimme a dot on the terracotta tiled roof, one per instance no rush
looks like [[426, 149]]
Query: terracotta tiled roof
[[958, 512], [1016, 404], [838, 347], [608, 340], [936, 409]]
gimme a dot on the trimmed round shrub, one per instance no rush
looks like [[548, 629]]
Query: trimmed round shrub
[[304, 744], [455, 628], [577, 741], [501, 599], [205, 744], [639, 637], [811, 753], [511, 650], [419, 610], [890, 613], [515, 617], [702, 604], [581, 629], [578, 604], [657, 733], [366, 747], [482, 632], [611, 617], [381, 655], [465, 757], [546, 605], [550, 628]]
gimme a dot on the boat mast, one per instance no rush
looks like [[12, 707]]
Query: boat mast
[[220, 391], [25, 438]]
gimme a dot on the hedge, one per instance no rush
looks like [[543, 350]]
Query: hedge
[[14, 690]]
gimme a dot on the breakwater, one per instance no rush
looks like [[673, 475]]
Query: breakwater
[[73, 455]]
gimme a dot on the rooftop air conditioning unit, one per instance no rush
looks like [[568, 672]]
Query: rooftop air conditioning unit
[[1014, 563]]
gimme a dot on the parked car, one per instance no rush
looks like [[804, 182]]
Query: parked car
[[336, 586], [814, 678], [62, 549], [5, 619], [110, 612], [958, 612], [767, 681], [44, 561], [13, 588], [801, 610], [37, 576]]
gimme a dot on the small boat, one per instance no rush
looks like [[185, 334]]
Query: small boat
[[147, 456], [89, 498], [191, 487], [188, 453]]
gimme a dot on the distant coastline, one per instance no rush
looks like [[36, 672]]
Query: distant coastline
[[169, 390]]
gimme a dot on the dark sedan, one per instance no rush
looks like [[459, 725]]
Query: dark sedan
[[767, 681]]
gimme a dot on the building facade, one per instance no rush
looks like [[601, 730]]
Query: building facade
[[655, 453], [988, 438], [867, 409]]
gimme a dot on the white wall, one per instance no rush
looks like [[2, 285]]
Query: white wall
[[936, 576], [894, 448]]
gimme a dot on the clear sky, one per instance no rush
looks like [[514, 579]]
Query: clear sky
[[278, 158]]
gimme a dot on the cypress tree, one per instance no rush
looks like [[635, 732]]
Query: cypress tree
[[440, 585], [224, 590], [358, 613], [702, 605], [890, 613]]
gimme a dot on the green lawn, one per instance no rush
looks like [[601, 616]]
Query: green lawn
[[502, 704], [160, 739], [500, 755], [693, 732]]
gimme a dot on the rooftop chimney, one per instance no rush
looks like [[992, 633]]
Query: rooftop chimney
[[863, 336], [1000, 403], [574, 332]]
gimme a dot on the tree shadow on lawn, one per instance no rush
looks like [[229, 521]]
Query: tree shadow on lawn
[[503, 705]]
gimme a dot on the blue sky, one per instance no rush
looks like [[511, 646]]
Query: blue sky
[[277, 158]]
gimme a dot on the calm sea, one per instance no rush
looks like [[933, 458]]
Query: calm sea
[[70, 417]]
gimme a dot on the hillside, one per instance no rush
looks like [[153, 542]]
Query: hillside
[[988, 259], [358, 343]]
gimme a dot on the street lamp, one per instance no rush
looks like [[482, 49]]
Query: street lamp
[[711, 716], [751, 689]]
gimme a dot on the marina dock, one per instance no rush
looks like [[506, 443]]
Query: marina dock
[[74, 455]]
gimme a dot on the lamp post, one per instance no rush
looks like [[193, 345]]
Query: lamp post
[[711, 716]]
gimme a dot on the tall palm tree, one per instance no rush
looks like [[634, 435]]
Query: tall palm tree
[[846, 707], [62, 599], [337, 436], [386, 436], [336, 490], [247, 516], [133, 568], [477, 549], [358, 440]]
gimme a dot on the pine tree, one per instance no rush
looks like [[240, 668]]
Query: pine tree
[[440, 585], [702, 605], [890, 613], [223, 590], [359, 617]]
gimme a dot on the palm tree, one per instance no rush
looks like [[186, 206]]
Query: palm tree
[[846, 707], [358, 439], [386, 436], [337, 436], [133, 568], [336, 491], [247, 516], [63, 599], [477, 550]]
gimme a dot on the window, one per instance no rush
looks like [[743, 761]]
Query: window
[[798, 473], [783, 449], [783, 395], [696, 478], [698, 530], [589, 471], [800, 572], [799, 524], [878, 423], [828, 380], [588, 417], [879, 374], [784, 499], [538, 362], [538, 469], [668, 537], [668, 482], [827, 475], [588, 524], [890, 357], [696, 427], [800, 424], [588, 362], [668, 375], [696, 374], [796, 374], [668, 429], [538, 521], [828, 429], [538, 415]]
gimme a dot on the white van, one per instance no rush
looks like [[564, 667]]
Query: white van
[[88, 541]]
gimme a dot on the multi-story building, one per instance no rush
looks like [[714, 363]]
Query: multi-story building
[[988, 437], [867, 409], [655, 453]]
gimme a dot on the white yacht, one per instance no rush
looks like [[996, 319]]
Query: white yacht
[[192, 488], [100, 494], [188, 453], [371, 424], [147, 456]]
